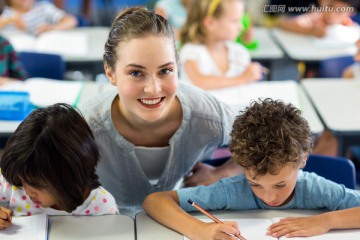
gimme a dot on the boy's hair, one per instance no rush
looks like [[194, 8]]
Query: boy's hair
[[53, 149], [269, 135], [194, 30], [131, 23]]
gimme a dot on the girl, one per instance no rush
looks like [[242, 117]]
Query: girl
[[152, 131], [35, 17], [48, 165], [209, 58]]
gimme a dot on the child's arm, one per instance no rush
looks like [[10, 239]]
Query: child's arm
[[5, 217], [14, 19], [252, 73], [316, 225], [308, 24], [164, 208], [67, 22]]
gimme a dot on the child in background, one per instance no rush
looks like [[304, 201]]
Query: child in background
[[174, 11], [209, 58], [48, 165], [353, 71], [316, 23], [34, 17], [271, 142], [11, 68]]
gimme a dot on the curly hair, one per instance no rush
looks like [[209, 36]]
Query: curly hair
[[269, 135]]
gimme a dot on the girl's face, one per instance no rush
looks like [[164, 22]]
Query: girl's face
[[145, 75], [21, 4], [274, 190], [41, 197], [228, 25]]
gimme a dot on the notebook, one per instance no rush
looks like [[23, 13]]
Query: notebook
[[33, 227], [256, 228], [67, 43], [44, 92]]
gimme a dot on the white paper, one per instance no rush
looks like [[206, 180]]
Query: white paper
[[26, 228], [338, 36], [44, 92]]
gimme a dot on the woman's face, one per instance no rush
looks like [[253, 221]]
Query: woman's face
[[145, 75]]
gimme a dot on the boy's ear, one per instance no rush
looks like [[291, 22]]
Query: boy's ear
[[303, 163], [110, 74]]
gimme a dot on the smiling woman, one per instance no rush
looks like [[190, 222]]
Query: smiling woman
[[152, 130]]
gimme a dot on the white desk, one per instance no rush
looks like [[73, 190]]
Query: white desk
[[90, 89], [338, 104], [94, 40], [289, 91], [149, 229], [267, 49], [107, 227], [302, 48]]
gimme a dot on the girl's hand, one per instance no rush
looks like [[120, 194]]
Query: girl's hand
[[252, 73], [224, 231], [299, 227], [5, 217]]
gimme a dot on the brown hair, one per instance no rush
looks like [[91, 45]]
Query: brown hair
[[269, 135], [53, 149], [134, 22]]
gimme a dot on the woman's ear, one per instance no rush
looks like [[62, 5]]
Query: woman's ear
[[110, 74]]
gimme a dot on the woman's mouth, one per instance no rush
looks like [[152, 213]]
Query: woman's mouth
[[151, 102]]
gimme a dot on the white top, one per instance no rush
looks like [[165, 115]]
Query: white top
[[99, 202], [152, 161], [238, 58]]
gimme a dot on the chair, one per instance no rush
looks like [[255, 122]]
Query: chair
[[337, 169], [44, 65], [334, 67]]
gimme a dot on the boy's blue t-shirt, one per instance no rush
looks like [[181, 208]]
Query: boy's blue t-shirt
[[311, 192]]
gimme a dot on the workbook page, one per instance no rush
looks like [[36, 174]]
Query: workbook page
[[250, 228], [26, 228]]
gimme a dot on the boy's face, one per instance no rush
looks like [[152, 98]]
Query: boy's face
[[274, 190]]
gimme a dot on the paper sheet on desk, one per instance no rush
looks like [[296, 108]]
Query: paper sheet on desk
[[44, 92], [26, 228], [240, 96], [251, 229], [338, 36]]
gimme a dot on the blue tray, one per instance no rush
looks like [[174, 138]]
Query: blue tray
[[14, 105]]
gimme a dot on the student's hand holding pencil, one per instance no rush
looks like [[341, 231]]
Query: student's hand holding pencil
[[226, 231], [5, 217]]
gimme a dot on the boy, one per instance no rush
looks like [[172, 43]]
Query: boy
[[316, 23], [271, 142]]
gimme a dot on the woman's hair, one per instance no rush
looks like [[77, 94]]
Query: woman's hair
[[53, 149], [131, 23], [269, 135], [194, 30]]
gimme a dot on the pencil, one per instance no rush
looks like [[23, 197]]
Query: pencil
[[212, 217]]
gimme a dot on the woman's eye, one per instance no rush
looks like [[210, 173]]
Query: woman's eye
[[166, 71], [135, 73]]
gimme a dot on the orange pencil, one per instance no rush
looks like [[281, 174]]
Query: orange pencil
[[212, 217]]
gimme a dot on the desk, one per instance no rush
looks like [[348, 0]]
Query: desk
[[86, 56], [337, 102], [90, 89], [107, 227], [301, 47], [267, 48], [149, 229], [289, 91]]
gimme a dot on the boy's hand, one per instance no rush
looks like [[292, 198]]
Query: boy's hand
[[218, 231], [299, 227], [5, 217]]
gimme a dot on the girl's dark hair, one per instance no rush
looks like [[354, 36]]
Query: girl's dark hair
[[134, 22], [53, 149]]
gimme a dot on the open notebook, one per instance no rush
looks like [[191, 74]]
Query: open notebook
[[67, 43], [33, 227], [256, 228], [44, 92]]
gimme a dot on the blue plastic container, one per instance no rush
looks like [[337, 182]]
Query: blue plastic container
[[14, 105]]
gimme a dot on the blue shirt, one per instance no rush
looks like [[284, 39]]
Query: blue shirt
[[311, 192]]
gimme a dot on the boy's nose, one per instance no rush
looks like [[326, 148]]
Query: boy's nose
[[269, 198]]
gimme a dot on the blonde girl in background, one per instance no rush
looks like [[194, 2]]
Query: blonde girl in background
[[209, 58]]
